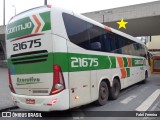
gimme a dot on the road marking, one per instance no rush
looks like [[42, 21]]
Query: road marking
[[152, 109], [128, 99], [78, 115], [149, 101]]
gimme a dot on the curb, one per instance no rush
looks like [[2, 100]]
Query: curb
[[10, 108]]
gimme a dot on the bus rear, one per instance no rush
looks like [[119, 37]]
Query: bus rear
[[35, 81]]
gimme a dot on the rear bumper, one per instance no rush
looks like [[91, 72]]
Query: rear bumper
[[58, 101]]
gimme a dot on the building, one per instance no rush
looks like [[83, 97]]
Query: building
[[154, 45]]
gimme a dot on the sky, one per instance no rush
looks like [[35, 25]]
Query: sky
[[79, 6]]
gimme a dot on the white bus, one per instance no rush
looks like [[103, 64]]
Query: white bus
[[58, 60]]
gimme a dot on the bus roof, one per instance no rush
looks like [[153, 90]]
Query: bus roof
[[84, 18]]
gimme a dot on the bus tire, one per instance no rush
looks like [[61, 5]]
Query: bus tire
[[145, 79], [115, 90], [103, 94]]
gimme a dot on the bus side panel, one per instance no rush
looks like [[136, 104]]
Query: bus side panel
[[60, 56], [60, 59], [79, 80], [60, 48], [137, 71]]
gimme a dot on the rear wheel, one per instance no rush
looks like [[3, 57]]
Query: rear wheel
[[115, 89], [146, 76], [103, 94]]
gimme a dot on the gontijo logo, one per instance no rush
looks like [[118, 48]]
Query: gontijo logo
[[29, 25], [19, 27]]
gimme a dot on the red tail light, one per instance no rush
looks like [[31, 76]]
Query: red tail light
[[10, 82], [58, 80]]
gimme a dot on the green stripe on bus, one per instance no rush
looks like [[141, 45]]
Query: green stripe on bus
[[47, 20], [113, 61], [32, 68], [125, 62], [70, 62], [103, 62], [128, 72], [138, 62], [61, 59]]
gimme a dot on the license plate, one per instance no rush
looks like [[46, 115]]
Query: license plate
[[30, 101]]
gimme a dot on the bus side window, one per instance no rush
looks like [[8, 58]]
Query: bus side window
[[112, 41], [107, 42], [76, 30], [96, 35]]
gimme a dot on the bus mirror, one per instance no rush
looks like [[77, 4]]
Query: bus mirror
[[95, 45]]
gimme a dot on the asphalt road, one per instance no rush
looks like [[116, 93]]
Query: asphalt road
[[139, 97], [5, 97]]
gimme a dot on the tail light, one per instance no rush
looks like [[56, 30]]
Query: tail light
[[10, 82], [58, 80]]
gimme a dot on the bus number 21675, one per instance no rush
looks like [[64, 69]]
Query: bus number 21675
[[84, 62], [27, 44]]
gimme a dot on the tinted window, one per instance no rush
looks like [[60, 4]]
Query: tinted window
[[84, 34], [107, 42], [92, 37], [96, 36], [76, 30]]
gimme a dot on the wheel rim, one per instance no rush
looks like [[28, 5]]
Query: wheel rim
[[103, 92]]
